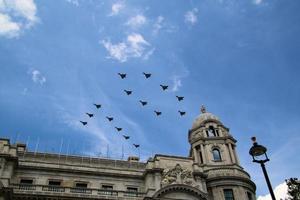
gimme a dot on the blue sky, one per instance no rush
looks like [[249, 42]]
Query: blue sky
[[239, 58]]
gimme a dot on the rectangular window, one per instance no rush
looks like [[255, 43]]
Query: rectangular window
[[132, 192], [132, 189], [249, 195], [81, 185], [26, 181], [54, 182], [228, 194], [107, 187]]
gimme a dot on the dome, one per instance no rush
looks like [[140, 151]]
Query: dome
[[204, 116]]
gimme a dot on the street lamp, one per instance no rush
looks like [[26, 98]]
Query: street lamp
[[259, 155]]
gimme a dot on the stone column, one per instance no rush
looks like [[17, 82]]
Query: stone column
[[196, 155], [231, 153], [157, 180], [236, 157], [203, 153], [206, 153]]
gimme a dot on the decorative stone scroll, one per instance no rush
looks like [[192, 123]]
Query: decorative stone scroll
[[177, 175]]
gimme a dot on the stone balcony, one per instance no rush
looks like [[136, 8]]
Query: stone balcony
[[93, 193]]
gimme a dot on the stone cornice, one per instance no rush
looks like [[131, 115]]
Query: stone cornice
[[231, 180], [207, 121], [170, 156], [84, 170], [153, 170], [204, 140]]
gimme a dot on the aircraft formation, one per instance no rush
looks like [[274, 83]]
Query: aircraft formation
[[143, 103]]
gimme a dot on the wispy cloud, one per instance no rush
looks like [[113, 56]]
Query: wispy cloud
[[37, 77], [177, 79], [74, 2], [16, 15], [257, 2], [280, 192], [135, 46], [136, 21], [116, 8], [176, 83], [148, 54], [157, 25], [190, 16], [69, 112], [25, 91]]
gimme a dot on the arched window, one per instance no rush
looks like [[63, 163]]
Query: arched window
[[211, 132], [216, 155]]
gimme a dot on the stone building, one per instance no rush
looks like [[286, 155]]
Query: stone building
[[211, 171]]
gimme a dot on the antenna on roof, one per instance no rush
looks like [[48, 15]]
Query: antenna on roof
[[107, 152], [37, 146], [67, 150], [122, 151], [17, 137], [27, 146], [61, 144]]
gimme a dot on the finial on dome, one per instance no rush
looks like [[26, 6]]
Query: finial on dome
[[203, 109]]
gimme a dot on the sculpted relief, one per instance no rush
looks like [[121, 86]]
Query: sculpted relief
[[177, 175]]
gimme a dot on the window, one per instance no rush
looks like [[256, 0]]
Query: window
[[107, 187], [132, 192], [81, 185], [107, 190], [54, 182], [26, 181], [211, 132], [249, 195], [217, 133], [201, 158], [132, 189], [216, 155], [228, 194]]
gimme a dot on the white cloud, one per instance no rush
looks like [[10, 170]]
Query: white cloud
[[74, 2], [136, 21], [280, 192], [16, 15], [190, 16], [116, 8], [257, 2], [176, 83], [8, 28], [117, 51], [37, 77], [148, 54], [134, 46], [157, 25]]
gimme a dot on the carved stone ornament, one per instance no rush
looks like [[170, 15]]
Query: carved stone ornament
[[177, 175]]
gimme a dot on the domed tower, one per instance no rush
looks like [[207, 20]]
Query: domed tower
[[214, 153]]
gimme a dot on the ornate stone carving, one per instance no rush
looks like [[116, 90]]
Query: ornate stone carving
[[177, 175]]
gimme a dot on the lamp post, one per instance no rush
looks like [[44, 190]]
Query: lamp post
[[259, 155]]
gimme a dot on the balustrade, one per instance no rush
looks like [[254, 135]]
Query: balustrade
[[73, 190]]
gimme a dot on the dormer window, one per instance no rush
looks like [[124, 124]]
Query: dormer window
[[216, 155]]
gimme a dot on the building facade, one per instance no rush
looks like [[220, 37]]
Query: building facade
[[211, 172]]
